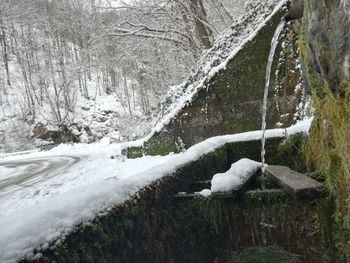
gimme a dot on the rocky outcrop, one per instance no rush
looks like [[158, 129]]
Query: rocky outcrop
[[56, 136], [327, 34], [326, 52]]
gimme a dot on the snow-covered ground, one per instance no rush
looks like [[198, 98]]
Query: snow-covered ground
[[104, 115], [43, 195]]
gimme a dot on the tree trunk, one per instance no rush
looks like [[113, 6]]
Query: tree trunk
[[5, 54], [204, 33]]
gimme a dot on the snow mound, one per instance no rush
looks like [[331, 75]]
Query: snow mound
[[232, 179]]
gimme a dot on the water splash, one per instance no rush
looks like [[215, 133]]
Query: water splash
[[274, 43]]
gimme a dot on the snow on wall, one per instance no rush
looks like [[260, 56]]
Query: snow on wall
[[225, 49], [47, 207]]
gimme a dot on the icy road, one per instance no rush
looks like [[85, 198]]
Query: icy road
[[15, 175]]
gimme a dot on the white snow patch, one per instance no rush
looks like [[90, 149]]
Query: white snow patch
[[232, 179], [204, 193]]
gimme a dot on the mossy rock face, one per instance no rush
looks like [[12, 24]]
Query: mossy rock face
[[327, 59], [326, 51]]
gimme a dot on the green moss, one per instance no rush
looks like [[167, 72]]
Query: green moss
[[133, 152], [291, 153], [278, 199], [264, 255], [328, 222], [161, 143], [328, 146], [344, 90]]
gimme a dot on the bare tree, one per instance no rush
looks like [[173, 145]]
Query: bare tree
[[56, 51]]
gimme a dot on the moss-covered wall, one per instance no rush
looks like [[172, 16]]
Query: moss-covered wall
[[326, 51], [231, 101], [154, 227]]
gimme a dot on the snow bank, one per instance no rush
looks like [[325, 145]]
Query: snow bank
[[232, 179]]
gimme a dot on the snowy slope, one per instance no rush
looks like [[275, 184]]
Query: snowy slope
[[72, 184]]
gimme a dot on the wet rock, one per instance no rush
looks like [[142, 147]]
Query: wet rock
[[152, 227], [40, 131], [327, 37], [263, 254], [62, 134]]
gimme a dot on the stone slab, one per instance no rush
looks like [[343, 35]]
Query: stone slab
[[190, 196], [296, 184], [185, 196]]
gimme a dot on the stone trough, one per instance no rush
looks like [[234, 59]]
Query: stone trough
[[295, 184]]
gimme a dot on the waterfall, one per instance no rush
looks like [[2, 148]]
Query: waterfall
[[274, 43]]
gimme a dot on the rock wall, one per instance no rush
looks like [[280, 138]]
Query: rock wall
[[231, 101], [326, 52]]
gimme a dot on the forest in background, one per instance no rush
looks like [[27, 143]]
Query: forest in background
[[96, 68]]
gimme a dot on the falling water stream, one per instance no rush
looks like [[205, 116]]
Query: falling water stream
[[274, 43]]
